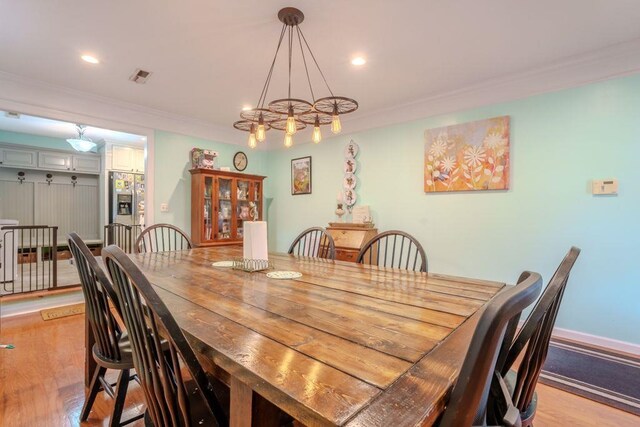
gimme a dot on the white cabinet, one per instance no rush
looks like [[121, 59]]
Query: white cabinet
[[127, 159], [18, 158], [54, 161], [138, 160], [86, 164]]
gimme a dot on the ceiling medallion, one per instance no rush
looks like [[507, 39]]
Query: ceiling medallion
[[292, 114]]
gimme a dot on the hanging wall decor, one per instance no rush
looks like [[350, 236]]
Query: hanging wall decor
[[350, 180], [471, 156]]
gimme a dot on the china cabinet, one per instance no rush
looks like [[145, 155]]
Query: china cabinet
[[220, 204]]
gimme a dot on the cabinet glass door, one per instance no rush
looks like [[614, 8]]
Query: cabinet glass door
[[242, 207], [255, 197], [224, 208], [208, 208]]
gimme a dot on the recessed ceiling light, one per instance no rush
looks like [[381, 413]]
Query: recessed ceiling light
[[358, 60], [90, 59], [246, 108]]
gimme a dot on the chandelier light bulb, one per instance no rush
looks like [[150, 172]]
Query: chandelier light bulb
[[317, 136], [291, 122], [288, 140], [252, 138], [336, 126], [261, 133]]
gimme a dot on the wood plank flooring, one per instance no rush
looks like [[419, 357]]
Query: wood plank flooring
[[41, 382]]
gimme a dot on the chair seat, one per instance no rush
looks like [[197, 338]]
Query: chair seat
[[510, 379], [126, 357]]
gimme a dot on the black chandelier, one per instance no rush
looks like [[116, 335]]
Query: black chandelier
[[293, 114]]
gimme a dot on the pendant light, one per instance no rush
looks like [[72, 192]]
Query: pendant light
[[293, 114], [81, 143]]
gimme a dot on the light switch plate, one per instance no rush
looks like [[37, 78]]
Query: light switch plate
[[164, 207], [604, 186]]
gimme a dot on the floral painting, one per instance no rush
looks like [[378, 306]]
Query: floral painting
[[467, 157], [301, 176]]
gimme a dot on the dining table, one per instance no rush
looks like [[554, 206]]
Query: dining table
[[343, 344]]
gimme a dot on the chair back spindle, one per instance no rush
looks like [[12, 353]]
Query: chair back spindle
[[162, 238], [119, 235], [394, 249], [314, 242]]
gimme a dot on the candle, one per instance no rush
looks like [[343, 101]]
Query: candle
[[340, 198]]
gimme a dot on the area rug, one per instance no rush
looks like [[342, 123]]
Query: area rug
[[64, 311], [597, 374]]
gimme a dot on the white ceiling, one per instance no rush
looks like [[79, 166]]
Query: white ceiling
[[209, 58], [59, 129]]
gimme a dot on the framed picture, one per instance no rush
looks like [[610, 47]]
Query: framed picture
[[301, 176], [471, 156]]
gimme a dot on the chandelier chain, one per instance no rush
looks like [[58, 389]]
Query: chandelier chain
[[304, 60], [265, 88], [316, 62]]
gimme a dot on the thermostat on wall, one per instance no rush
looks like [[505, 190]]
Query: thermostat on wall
[[607, 186]]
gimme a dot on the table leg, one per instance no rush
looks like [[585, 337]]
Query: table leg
[[89, 363], [241, 404]]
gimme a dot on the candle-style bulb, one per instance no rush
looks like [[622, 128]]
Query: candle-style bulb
[[261, 133], [288, 140], [317, 136], [291, 122], [336, 126]]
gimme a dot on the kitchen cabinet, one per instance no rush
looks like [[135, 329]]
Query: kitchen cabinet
[[127, 159], [14, 157], [86, 164], [51, 160]]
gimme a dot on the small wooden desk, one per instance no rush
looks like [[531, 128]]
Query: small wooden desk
[[346, 344]]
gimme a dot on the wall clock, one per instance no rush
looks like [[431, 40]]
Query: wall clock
[[240, 161]]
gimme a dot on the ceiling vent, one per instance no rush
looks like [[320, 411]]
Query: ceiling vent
[[12, 115], [140, 76]]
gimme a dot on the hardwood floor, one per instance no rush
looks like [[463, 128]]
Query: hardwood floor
[[41, 382]]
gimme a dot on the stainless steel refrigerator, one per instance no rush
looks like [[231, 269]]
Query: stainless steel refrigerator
[[126, 198]]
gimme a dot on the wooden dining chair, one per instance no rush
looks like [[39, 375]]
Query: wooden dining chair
[[394, 249], [112, 349], [468, 401], [119, 235], [174, 396], [162, 238], [533, 340], [314, 242]]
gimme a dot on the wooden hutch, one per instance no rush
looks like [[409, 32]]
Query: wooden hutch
[[220, 205]]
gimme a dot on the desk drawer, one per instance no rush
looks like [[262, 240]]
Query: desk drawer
[[346, 255]]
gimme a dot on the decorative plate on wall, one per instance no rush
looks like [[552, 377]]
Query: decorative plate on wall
[[350, 166], [350, 197], [350, 181], [351, 150]]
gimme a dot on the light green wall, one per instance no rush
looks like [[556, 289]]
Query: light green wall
[[560, 142], [34, 140], [172, 180]]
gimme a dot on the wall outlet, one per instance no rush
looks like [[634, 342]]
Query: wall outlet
[[164, 207], [606, 186]]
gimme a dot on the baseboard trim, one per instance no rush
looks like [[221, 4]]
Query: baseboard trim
[[598, 341]]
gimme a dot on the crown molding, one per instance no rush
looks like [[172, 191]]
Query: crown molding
[[611, 62], [36, 95], [614, 61]]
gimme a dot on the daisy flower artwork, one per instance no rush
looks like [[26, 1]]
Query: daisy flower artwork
[[467, 157]]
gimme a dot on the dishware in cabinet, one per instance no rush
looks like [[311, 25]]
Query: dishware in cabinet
[[221, 202]]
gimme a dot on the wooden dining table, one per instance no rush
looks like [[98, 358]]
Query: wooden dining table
[[345, 344]]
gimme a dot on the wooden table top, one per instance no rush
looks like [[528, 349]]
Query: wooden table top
[[345, 344]]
